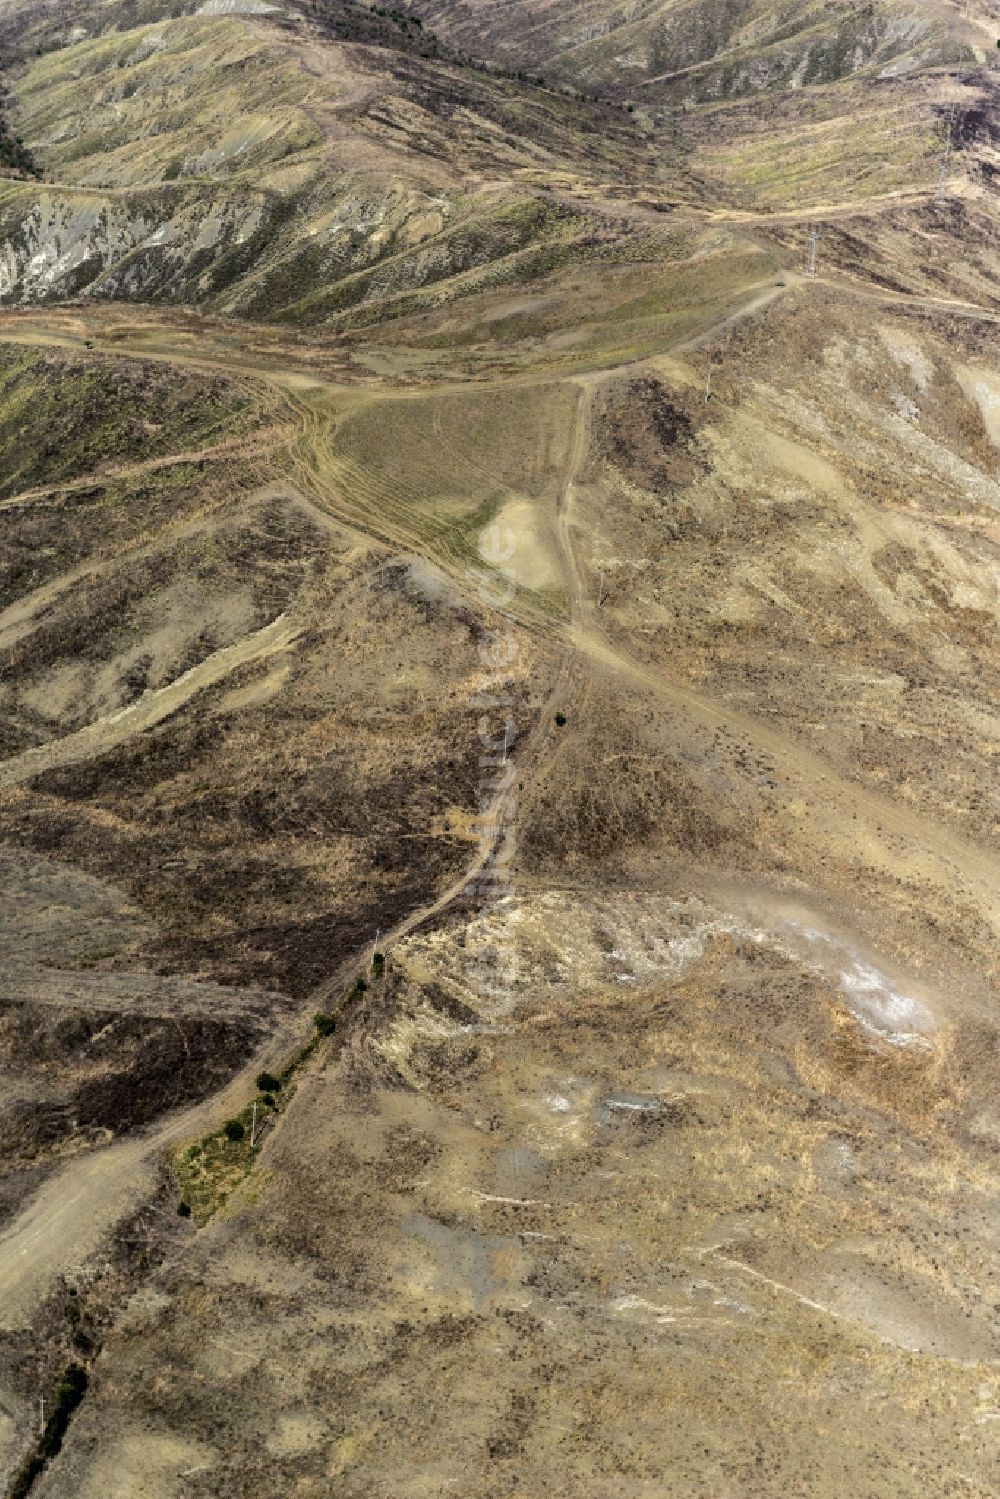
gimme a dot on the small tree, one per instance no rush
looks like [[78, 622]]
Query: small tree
[[268, 1083], [235, 1130], [324, 1023]]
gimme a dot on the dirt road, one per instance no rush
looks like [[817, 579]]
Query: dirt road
[[64, 1224], [901, 842], [152, 708]]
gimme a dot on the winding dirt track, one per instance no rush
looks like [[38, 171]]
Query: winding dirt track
[[152, 708], [64, 1224], [66, 1221], [897, 839]]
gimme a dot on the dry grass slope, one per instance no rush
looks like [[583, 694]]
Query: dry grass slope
[[353, 409]]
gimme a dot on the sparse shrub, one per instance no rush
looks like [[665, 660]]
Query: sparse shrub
[[324, 1023], [235, 1130], [83, 1342], [267, 1099], [183, 1210], [561, 720], [69, 1392]]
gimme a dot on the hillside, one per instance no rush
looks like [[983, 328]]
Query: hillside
[[688, 50], [499, 582], [338, 171]]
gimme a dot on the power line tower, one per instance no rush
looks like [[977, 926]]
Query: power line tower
[[813, 251]]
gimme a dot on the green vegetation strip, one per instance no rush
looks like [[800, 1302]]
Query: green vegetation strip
[[68, 1394], [212, 1168]]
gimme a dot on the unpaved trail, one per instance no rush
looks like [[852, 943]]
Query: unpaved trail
[[64, 1224], [166, 346], [762, 297], [18, 620], [113, 474], [579, 447], [152, 708], [492, 824], [836, 812], [847, 208]]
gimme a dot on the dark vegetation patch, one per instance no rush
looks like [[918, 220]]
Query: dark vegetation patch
[[16, 1186], [85, 1071], [401, 28], [373, 25], [284, 926], [41, 540], [70, 1328], [649, 433], [300, 952], [257, 561], [269, 842], [68, 1394], [15, 156]]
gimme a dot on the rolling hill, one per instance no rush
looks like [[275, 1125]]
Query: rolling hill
[[498, 738]]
